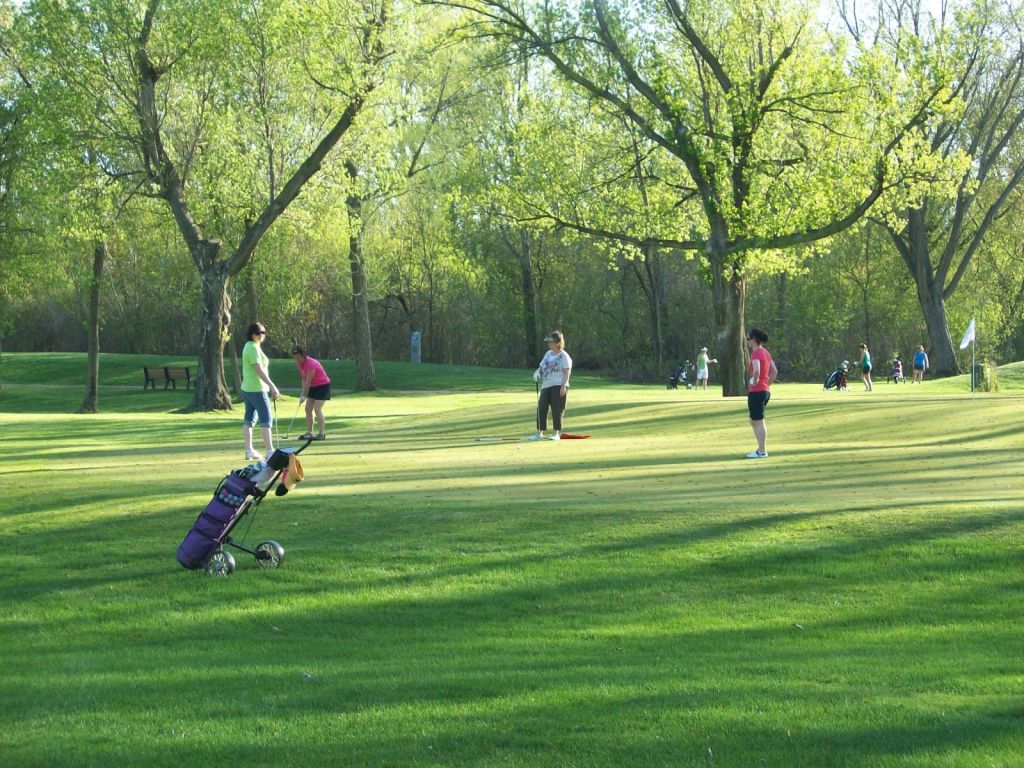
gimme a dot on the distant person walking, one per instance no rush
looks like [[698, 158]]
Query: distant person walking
[[316, 390], [865, 366], [702, 367], [920, 364], [553, 376], [762, 373], [256, 386]]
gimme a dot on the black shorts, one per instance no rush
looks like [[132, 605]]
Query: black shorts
[[756, 401], [320, 392]]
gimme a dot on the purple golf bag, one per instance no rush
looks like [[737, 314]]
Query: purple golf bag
[[239, 494], [229, 502]]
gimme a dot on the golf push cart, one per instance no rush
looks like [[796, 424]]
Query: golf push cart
[[240, 494]]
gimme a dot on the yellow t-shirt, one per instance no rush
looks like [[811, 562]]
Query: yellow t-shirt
[[252, 353]]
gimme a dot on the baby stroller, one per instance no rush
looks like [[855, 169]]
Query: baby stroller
[[679, 376], [839, 378], [239, 494], [896, 374]]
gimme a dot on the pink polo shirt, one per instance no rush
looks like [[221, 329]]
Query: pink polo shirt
[[761, 355], [319, 374]]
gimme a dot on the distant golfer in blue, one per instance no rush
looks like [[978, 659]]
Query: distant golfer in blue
[[920, 363], [553, 376]]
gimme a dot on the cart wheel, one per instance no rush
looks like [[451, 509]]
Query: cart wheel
[[269, 554], [221, 563]]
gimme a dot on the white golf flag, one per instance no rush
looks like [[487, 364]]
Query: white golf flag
[[968, 335]]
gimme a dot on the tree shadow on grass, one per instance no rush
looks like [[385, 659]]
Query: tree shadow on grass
[[540, 669]]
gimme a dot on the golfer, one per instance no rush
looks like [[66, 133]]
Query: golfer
[[865, 366], [920, 364], [256, 385], [702, 368], [316, 390], [759, 385], [553, 375]]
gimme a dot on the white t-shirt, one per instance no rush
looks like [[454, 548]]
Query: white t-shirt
[[552, 367]]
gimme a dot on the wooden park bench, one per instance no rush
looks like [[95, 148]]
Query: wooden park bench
[[168, 374]]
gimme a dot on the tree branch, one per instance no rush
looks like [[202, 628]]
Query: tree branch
[[160, 167], [709, 58], [979, 233]]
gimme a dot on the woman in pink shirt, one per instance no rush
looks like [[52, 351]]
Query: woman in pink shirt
[[316, 390], [762, 374]]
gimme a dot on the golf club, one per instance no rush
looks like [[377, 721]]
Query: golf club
[[288, 431], [277, 436]]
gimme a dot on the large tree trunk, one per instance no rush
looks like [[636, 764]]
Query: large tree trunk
[[211, 391], [91, 402], [941, 357], [728, 296], [930, 294], [365, 379]]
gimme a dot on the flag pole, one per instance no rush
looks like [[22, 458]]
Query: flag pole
[[974, 369], [974, 350], [970, 337]]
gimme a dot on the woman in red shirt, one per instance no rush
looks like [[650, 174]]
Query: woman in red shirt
[[316, 390], [762, 374]]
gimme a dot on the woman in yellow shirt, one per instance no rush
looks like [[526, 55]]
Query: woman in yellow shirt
[[257, 391]]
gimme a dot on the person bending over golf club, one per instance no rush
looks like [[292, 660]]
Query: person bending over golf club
[[256, 385], [316, 390], [553, 375], [762, 374]]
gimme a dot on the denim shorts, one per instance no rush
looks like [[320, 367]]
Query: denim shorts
[[257, 404]]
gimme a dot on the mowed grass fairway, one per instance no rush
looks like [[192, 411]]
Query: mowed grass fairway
[[647, 597]]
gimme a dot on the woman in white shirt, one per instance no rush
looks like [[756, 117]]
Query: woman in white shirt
[[553, 374]]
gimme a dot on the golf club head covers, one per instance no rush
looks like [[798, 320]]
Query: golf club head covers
[[292, 475], [279, 459]]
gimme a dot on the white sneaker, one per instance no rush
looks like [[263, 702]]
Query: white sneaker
[[251, 456], [555, 436], [536, 436], [757, 455]]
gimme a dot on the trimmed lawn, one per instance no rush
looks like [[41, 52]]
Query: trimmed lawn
[[646, 597]]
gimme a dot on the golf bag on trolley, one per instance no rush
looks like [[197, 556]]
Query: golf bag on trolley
[[839, 378], [896, 372], [679, 376], [239, 494]]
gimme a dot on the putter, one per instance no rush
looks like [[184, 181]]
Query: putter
[[292, 422]]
